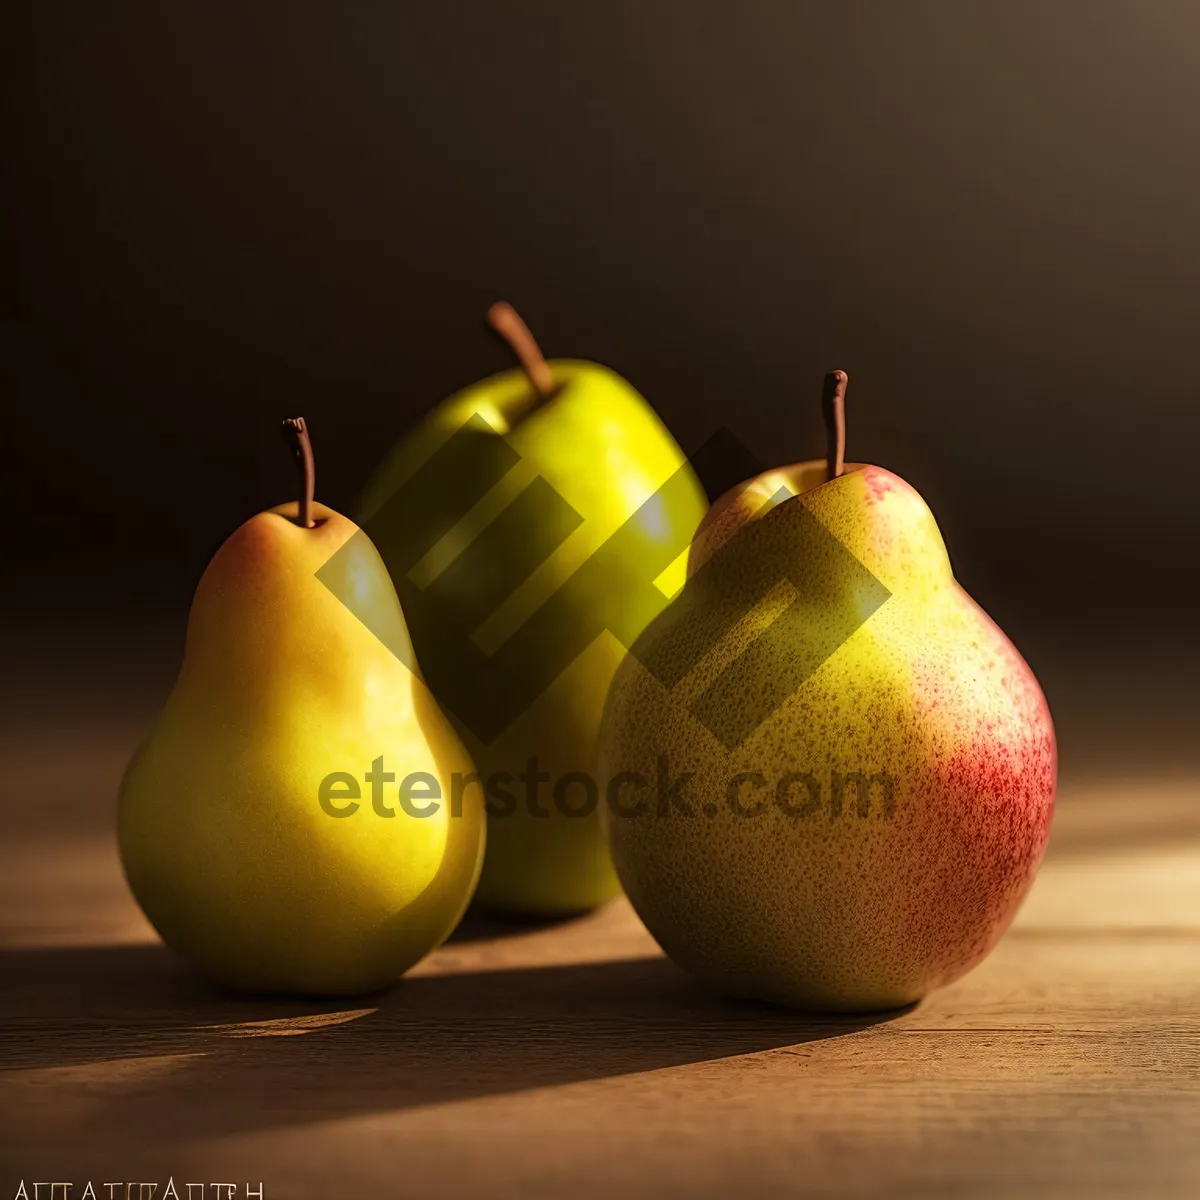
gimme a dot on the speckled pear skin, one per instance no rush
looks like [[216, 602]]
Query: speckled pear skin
[[222, 836], [846, 912]]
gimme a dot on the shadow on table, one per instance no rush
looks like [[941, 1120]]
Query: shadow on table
[[483, 925], [231, 1063]]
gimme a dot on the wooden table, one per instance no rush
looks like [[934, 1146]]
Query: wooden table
[[573, 1059]]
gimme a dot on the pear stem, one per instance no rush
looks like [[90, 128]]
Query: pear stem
[[506, 321], [833, 408], [295, 432]]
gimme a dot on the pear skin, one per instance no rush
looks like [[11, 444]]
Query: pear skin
[[783, 880], [223, 837]]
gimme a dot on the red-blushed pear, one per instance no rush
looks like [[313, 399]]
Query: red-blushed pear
[[253, 823], [861, 766]]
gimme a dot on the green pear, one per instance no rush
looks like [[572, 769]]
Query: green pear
[[254, 827], [564, 454], [836, 774]]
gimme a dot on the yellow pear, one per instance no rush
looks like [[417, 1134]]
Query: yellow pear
[[831, 776], [254, 825], [565, 521]]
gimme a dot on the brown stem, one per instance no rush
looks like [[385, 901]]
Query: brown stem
[[833, 408], [295, 431], [505, 320]]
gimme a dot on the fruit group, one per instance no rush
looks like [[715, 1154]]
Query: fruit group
[[229, 832], [872, 763], [489, 517]]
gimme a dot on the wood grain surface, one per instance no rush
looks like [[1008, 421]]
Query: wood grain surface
[[572, 1059]]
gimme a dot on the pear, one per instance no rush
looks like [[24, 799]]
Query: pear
[[254, 827], [556, 457], [832, 775]]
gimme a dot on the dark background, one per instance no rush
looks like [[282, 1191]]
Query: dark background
[[988, 214]]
